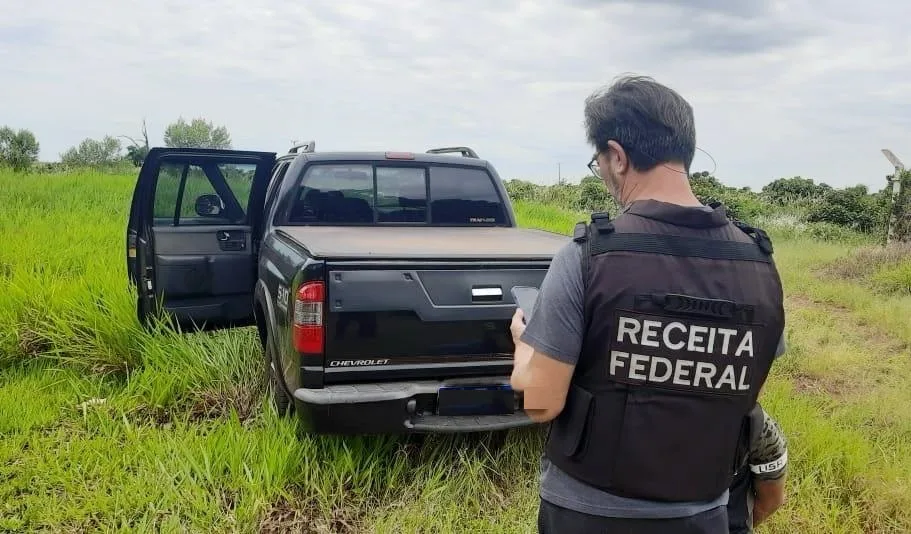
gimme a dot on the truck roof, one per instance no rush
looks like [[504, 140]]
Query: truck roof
[[425, 242], [421, 157]]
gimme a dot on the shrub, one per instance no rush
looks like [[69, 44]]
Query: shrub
[[786, 191], [850, 207], [93, 153]]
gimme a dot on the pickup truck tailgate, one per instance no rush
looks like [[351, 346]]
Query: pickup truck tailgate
[[425, 302]]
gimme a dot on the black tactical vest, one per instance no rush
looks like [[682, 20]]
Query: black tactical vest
[[683, 315]]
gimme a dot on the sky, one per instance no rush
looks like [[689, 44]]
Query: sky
[[814, 88]]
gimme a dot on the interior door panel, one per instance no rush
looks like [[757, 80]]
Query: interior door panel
[[191, 235]]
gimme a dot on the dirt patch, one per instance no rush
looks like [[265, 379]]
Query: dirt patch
[[31, 343], [847, 322], [305, 518], [830, 386], [203, 405], [877, 349], [216, 403]]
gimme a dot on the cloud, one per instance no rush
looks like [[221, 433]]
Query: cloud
[[779, 87]]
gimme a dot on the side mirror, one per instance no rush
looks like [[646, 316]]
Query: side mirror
[[209, 206]]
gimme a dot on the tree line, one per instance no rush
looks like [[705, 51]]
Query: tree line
[[19, 149], [789, 201]]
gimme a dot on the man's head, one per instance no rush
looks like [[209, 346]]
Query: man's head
[[641, 131]]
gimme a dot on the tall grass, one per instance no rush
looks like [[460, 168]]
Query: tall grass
[[105, 426]]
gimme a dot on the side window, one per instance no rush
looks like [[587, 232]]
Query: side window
[[464, 196], [166, 189], [401, 194], [339, 194], [239, 177], [202, 194], [275, 183]]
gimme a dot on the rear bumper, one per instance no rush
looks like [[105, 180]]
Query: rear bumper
[[392, 408]]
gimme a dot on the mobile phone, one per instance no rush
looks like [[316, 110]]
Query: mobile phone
[[525, 298]]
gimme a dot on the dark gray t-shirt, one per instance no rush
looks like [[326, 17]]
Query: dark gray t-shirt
[[556, 328]]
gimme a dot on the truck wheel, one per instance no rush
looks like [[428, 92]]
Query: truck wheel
[[276, 386]]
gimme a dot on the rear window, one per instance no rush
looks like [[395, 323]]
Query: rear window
[[388, 194], [464, 196]]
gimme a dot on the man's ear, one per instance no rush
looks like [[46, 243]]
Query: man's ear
[[617, 157]]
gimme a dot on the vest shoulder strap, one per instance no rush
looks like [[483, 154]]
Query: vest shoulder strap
[[694, 247], [582, 234], [757, 234]]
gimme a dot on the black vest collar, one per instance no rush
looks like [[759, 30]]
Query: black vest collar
[[711, 216]]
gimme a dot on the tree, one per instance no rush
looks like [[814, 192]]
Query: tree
[[198, 133], [93, 153], [796, 189], [594, 195], [137, 152], [18, 149]]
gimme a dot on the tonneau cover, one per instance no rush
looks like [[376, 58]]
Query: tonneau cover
[[425, 242]]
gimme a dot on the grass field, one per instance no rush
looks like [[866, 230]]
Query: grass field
[[106, 427]]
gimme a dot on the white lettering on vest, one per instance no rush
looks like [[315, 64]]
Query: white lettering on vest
[[649, 365], [637, 362], [746, 344], [695, 333], [650, 334], [668, 366], [678, 372], [630, 327], [667, 336], [727, 377], [727, 338], [705, 371], [615, 361], [693, 338]]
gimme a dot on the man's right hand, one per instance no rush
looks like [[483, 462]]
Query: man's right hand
[[517, 326], [769, 496]]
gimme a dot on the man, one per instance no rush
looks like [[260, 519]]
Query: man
[[651, 336], [758, 488]]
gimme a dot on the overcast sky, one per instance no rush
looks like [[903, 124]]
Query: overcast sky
[[780, 88]]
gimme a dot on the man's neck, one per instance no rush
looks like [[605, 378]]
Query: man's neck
[[663, 184]]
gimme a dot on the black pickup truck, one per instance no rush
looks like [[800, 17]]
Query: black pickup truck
[[379, 283]]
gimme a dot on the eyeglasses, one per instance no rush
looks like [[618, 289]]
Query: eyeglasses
[[594, 167]]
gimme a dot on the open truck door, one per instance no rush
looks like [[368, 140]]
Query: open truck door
[[193, 233]]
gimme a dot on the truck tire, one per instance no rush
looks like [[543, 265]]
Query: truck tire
[[275, 384]]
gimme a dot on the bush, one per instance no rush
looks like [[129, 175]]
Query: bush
[[93, 153], [852, 208], [740, 204], [786, 191], [887, 269]]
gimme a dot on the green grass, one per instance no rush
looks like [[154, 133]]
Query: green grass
[[107, 427]]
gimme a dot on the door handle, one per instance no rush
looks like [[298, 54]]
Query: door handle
[[231, 240], [486, 293], [229, 235]]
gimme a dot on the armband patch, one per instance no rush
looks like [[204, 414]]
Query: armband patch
[[771, 467]]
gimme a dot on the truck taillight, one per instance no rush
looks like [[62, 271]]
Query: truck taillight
[[307, 329]]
